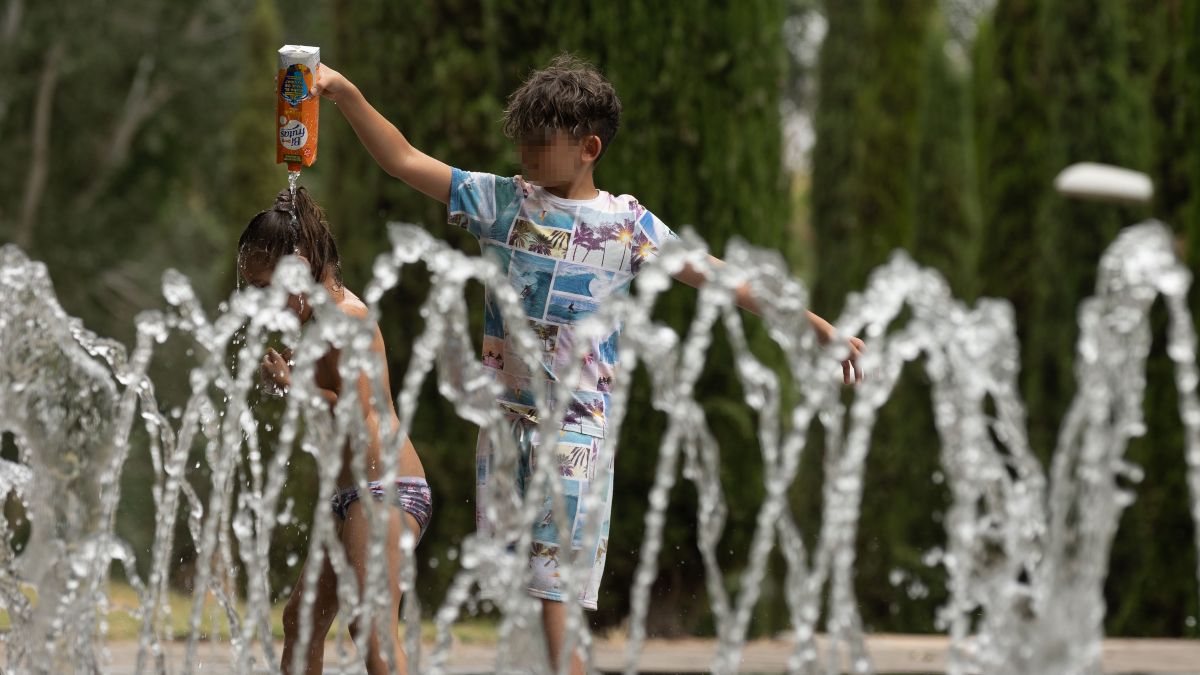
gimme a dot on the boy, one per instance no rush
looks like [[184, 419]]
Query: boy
[[566, 247]]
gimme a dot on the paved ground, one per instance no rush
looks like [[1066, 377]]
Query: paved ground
[[889, 653]]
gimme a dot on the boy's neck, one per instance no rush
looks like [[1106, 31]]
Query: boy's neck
[[580, 187]]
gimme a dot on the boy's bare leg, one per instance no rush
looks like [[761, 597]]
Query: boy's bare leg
[[554, 622], [323, 613], [356, 534]]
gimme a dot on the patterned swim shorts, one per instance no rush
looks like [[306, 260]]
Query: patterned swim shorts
[[579, 462], [412, 495]]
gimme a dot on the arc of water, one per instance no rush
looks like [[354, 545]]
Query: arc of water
[[1023, 554]]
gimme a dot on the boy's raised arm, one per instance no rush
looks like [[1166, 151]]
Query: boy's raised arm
[[382, 139]]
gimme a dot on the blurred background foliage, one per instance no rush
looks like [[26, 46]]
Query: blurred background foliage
[[138, 136]]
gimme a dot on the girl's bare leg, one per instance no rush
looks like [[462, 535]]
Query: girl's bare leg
[[323, 613], [356, 534]]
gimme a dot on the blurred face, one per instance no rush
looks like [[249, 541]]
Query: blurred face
[[551, 158], [258, 274]]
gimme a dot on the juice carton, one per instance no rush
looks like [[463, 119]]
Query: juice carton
[[297, 108]]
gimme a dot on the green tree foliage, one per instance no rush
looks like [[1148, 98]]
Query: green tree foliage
[[1151, 587], [843, 68], [894, 162], [1055, 74], [1013, 175], [1187, 125], [253, 174], [110, 145], [1089, 81], [1086, 61], [947, 228], [110, 157], [890, 137]]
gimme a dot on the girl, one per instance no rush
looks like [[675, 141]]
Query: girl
[[269, 236]]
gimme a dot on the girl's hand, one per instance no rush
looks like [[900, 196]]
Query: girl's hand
[[330, 83], [275, 371]]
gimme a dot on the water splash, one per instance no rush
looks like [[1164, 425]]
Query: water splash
[[1025, 552], [66, 415], [293, 183]]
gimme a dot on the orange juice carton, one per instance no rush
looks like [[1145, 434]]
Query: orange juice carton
[[297, 107]]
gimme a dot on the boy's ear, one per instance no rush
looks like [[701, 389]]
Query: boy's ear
[[591, 146]]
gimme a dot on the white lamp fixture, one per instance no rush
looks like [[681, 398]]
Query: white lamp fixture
[[1103, 182]]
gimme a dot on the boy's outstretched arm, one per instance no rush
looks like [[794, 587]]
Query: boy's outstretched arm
[[745, 299], [382, 139]]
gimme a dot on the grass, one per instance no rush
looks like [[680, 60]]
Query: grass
[[124, 625]]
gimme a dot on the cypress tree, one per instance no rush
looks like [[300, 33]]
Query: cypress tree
[[1151, 588], [1189, 130], [1014, 172], [842, 69], [890, 100], [1074, 61], [1096, 114], [947, 227], [865, 177], [896, 528], [254, 177]]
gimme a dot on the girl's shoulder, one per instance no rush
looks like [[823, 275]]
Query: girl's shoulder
[[352, 305]]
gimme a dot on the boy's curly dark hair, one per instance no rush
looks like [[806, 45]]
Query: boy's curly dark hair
[[569, 94], [274, 233]]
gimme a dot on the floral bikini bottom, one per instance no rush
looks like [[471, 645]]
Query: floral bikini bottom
[[411, 494]]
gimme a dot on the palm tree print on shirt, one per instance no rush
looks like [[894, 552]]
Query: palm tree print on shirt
[[584, 412], [623, 235], [593, 238], [541, 240], [643, 250], [546, 333], [574, 463]]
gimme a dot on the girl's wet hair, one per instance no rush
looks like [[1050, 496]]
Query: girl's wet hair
[[274, 233]]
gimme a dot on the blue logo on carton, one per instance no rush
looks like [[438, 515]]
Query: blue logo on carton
[[294, 88]]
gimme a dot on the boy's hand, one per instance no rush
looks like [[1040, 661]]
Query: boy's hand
[[851, 373], [330, 83], [276, 371]]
